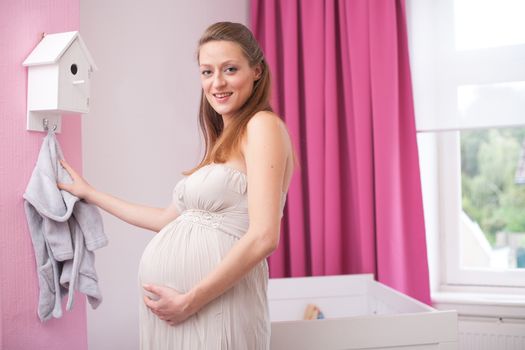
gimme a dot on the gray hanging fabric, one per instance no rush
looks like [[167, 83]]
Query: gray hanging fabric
[[65, 232]]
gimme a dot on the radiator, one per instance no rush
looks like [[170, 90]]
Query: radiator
[[484, 333]]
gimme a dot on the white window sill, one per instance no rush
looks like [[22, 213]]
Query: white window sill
[[488, 303]]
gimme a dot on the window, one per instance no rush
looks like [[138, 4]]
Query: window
[[480, 24], [468, 71], [492, 224]]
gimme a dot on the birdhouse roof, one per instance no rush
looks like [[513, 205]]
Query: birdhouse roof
[[51, 48]]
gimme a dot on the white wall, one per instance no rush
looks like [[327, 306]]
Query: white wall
[[142, 130]]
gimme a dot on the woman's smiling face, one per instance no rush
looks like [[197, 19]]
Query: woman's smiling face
[[226, 76]]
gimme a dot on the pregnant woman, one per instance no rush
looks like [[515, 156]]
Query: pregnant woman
[[204, 275]]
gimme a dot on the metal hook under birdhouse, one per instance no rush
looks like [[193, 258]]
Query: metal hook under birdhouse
[[45, 123]]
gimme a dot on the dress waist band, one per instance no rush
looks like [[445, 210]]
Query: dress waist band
[[202, 217]]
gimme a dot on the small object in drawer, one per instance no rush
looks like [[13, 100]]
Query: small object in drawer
[[312, 312]]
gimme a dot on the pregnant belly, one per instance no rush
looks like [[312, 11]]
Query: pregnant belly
[[180, 255]]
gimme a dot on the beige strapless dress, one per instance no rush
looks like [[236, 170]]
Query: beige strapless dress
[[213, 208]]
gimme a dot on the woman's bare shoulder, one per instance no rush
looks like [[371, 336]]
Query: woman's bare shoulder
[[265, 119], [267, 122], [272, 128]]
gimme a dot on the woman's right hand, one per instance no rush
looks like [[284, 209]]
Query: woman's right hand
[[79, 188]]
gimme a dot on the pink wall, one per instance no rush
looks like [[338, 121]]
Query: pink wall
[[21, 23]]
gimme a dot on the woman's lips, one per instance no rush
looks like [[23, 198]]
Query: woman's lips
[[222, 96]]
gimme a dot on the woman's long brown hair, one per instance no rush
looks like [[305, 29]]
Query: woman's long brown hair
[[221, 143]]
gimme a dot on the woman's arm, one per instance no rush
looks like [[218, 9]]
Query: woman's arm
[[150, 218], [266, 152]]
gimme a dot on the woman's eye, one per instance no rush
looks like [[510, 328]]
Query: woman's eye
[[231, 69], [206, 72]]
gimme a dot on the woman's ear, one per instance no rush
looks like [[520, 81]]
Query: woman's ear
[[258, 72]]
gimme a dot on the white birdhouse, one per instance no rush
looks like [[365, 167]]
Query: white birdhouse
[[59, 74]]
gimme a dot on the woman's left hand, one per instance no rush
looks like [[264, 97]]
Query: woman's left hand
[[171, 305]]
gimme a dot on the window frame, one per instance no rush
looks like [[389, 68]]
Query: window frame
[[438, 69], [450, 208]]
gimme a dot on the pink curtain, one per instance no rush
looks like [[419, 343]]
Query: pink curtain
[[342, 83]]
